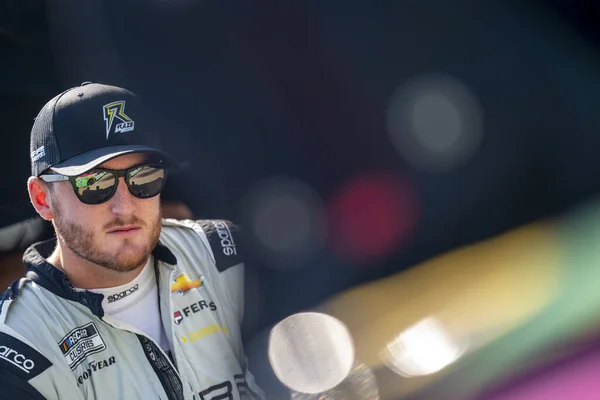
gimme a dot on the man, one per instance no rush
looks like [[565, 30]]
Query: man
[[121, 304]]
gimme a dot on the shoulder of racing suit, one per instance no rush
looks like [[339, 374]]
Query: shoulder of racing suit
[[20, 363], [210, 248], [36, 308], [222, 239]]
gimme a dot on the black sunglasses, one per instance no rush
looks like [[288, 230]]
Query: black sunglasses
[[98, 185]]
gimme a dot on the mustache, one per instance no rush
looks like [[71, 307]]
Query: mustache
[[119, 222]]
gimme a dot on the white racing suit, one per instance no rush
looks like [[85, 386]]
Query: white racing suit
[[56, 342]]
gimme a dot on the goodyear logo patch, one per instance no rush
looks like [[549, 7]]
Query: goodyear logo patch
[[80, 343]]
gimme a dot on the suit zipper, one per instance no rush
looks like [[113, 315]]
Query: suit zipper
[[161, 364]]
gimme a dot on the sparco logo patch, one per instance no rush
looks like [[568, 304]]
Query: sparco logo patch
[[80, 343], [17, 359], [123, 294], [227, 244]]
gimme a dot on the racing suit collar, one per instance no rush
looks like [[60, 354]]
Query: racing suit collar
[[53, 279]]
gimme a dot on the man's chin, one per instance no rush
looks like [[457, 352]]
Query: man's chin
[[130, 254], [129, 263]]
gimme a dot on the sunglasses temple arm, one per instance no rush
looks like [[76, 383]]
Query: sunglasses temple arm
[[54, 178]]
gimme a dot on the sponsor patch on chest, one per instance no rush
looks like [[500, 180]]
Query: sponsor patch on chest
[[93, 367], [80, 343]]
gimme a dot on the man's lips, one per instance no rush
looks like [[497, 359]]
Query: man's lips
[[125, 229]]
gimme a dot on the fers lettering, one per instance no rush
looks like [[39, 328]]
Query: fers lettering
[[193, 308]]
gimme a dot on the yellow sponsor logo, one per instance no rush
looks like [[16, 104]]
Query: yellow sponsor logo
[[116, 110], [183, 284], [206, 331]]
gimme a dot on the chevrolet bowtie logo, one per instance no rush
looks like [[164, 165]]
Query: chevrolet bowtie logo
[[183, 284]]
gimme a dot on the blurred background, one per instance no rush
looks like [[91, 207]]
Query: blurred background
[[425, 172]]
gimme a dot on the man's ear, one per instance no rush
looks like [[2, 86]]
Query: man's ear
[[40, 198]]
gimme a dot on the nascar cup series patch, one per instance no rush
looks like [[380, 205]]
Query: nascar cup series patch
[[80, 343]]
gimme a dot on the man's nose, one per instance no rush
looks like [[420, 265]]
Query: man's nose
[[122, 202]]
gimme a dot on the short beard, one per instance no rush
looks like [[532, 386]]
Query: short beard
[[81, 242]]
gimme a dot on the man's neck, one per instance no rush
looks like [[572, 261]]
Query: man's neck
[[84, 274]]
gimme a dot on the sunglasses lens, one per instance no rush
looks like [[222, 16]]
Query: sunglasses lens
[[95, 187], [146, 181]]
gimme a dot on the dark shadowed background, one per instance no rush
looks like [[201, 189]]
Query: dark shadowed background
[[350, 139]]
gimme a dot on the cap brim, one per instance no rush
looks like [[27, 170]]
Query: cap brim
[[84, 162]]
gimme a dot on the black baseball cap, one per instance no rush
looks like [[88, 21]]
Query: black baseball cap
[[88, 125]]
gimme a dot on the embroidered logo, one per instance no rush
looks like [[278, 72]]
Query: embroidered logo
[[80, 343]]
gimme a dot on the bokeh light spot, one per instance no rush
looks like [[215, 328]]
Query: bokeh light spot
[[372, 215], [311, 352], [286, 218], [276, 215], [423, 349], [435, 122], [360, 384]]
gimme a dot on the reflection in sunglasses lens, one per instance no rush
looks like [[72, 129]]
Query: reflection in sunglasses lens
[[95, 186], [146, 181], [98, 186]]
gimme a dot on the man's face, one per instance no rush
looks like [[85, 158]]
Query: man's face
[[118, 234]]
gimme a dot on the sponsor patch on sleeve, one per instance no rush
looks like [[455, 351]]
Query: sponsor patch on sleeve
[[224, 239], [21, 359], [81, 342]]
